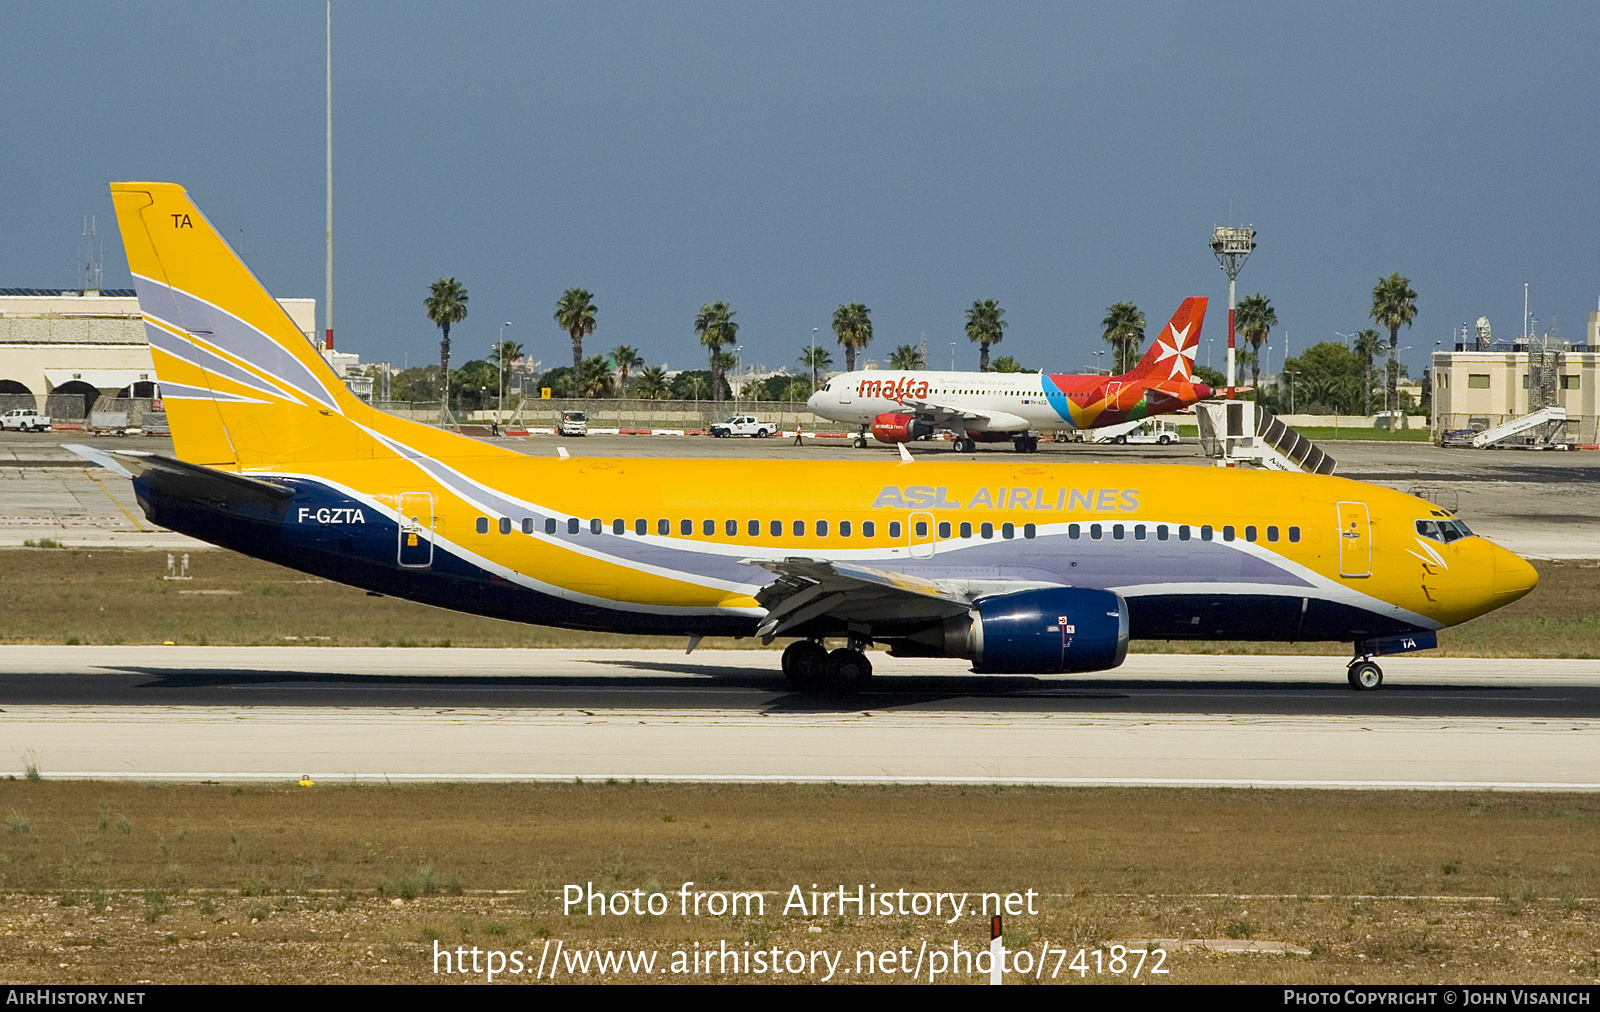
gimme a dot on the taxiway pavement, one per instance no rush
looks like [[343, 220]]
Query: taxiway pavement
[[226, 713]]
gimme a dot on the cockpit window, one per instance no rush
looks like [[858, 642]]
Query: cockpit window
[[1444, 531]]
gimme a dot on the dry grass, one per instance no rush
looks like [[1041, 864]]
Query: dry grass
[[81, 596], [359, 881]]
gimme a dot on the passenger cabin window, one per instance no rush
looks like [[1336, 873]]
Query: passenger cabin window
[[1094, 532], [527, 525], [1029, 531], [844, 528], [1294, 534], [922, 528], [777, 528], [1227, 532], [1073, 531], [869, 528], [483, 525], [505, 525], [1161, 532], [1272, 533], [986, 530], [1183, 532], [894, 528], [549, 525], [709, 528], [573, 525], [619, 526], [1250, 532], [731, 528], [822, 528], [641, 527], [1205, 532], [1116, 532], [685, 527], [1008, 531], [663, 527], [754, 527], [595, 526], [799, 528], [1138, 532], [944, 528]]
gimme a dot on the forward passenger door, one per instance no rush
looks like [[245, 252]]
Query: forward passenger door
[[1355, 539]]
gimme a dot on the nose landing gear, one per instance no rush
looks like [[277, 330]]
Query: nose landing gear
[[1364, 676]]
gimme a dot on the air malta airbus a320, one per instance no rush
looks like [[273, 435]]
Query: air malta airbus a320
[[994, 407], [1017, 567]]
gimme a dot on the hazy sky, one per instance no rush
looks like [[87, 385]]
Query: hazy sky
[[790, 157]]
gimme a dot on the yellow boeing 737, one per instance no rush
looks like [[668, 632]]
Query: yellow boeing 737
[[1019, 566]]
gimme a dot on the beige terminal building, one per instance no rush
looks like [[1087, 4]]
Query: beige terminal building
[[1476, 387]]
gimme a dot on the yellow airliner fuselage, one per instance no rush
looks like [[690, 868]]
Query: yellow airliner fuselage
[[1019, 566]]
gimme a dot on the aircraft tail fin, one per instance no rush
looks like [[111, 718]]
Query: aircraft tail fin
[[242, 385], [1171, 357]]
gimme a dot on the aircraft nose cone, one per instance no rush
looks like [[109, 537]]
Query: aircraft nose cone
[[1513, 576]]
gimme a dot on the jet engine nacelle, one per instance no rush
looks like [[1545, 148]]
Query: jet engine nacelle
[[1031, 632], [896, 428], [1051, 630]]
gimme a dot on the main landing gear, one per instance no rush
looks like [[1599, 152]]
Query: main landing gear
[[965, 445], [1364, 675], [807, 664], [861, 439]]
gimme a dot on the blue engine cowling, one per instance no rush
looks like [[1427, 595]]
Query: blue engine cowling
[[1049, 631]]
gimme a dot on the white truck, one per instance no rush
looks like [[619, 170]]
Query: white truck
[[1146, 430], [744, 425], [573, 423], [24, 419]]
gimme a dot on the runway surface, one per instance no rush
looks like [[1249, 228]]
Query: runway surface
[[225, 713]]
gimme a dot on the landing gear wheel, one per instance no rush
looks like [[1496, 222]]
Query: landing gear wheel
[[805, 664], [964, 445], [861, 442], [848, 669], [1365, 676]]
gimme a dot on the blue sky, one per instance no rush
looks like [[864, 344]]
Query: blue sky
[[791, 157]]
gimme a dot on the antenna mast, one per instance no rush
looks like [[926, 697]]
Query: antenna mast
[[327, 315]]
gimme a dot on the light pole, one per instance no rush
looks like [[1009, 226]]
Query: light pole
[[1232, 247], [500, 359], [813, 360], [1291, 376], [1097, 355]]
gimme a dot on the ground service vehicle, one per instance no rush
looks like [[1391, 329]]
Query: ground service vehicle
[[1014, 567], [990, 407], [24, 419], [744, 425], [573, 423]]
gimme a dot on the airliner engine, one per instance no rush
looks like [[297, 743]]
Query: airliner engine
[[896, 428], [1052, 630]]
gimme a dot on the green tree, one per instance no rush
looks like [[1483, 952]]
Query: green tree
[[652, 384], [1210, 377], [447, 305], [559, 380], [1394, 305], [692, 385], [474, 386], [1124, 331], [416, 384], [986, 326], [907, 356], [715, 327], [625, 359], [1368, 345], [594, 377], [852, 325], [1005, 363], [1327, 379], [575, 314], [504, 354], [1254, 322], [817, 360]]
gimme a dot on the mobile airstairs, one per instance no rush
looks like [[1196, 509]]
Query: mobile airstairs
[[1545, 429], [1240, 434]]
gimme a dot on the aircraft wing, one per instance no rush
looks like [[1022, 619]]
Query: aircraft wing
[[808, 588], [943, 416]]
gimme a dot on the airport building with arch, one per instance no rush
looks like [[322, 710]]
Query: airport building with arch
[[66, 352]]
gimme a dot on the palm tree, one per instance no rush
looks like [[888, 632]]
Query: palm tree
[[504, 354], [1393, 304], [446, 304], [852, 325], [575, 314], [1124, 331], [1255, 320], [724, 362], [695, 387], [716, 328], [907, 356], [815, 359], [625, 359], [652, 384], [985, 326], [594, 377], [1369, 345]]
